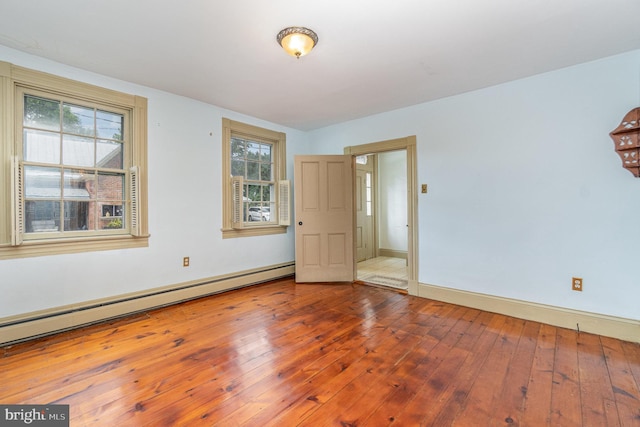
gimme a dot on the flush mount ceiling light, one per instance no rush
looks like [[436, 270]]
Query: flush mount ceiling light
[[297, 41]]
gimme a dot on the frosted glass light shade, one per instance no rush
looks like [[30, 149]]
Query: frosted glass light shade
[[297, 41]]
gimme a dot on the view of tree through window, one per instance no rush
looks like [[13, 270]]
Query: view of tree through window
[[253, 161], [73, 159]]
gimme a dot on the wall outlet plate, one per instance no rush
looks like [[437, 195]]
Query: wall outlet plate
[[576, 284]]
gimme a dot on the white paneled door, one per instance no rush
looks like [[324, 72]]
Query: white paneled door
[[323, 194]]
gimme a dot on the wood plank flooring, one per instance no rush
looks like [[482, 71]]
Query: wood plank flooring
[[281, 354]]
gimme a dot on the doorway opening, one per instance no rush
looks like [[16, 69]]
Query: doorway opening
[[381, 219], [385, 223]]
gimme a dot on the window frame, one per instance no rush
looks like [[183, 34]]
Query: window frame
[[15, 80], [231, 128]]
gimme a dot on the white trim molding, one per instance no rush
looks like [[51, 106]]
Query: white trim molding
[[393, 253], [45, 322], [407, 143], [582, 321]]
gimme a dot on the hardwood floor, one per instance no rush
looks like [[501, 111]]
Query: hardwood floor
[[281, 354]]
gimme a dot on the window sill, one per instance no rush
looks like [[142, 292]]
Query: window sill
[[229, 233], [71, 246]]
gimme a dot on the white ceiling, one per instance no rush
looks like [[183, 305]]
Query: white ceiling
[[372, 56]]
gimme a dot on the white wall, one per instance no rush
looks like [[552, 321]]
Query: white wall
[[525, 188], [185, 213], [392, 200], [525, 191]]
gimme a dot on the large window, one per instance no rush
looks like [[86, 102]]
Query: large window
[[75, 166], [255, 198]]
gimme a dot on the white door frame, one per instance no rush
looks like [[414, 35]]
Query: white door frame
[[409, 144]]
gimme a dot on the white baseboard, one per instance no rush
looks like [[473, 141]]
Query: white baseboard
[[392, 253], [31, 325], [610, 326]]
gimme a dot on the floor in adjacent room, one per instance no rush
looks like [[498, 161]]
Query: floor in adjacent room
[[385, 271]]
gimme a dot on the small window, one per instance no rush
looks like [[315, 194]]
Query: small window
[[254, 162], [253, 167], [369, 194]]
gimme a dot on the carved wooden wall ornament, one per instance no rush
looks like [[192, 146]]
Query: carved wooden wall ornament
[[627, 140]]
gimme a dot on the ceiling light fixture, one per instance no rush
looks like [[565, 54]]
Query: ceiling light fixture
[[297, 41]]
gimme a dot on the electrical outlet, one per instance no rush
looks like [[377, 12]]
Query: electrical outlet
[[185, 261], [576, 284], [424, 188]]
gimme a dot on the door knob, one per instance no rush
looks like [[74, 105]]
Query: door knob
[[299, 222]]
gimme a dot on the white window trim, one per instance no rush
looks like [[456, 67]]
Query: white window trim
[[11, 245], [229, 228]]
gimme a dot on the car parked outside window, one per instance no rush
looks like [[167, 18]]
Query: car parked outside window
[[259, 214]]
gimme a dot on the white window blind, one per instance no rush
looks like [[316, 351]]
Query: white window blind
[[134, 191], [237, 217], [284, 202], [17, 225]]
